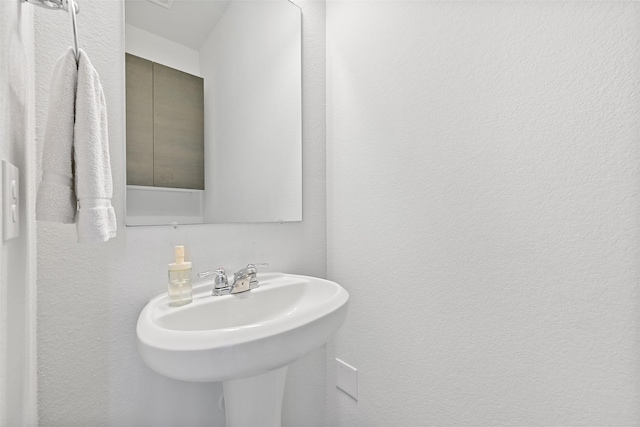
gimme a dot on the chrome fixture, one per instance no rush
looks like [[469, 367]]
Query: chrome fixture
[[54, 4], [70, 6], [243, 280]]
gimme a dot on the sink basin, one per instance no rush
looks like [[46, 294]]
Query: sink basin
[[237, 336]]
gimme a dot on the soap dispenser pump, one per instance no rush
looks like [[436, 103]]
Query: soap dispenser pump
[[180, 290]]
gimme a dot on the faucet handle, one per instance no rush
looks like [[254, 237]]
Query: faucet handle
[[209, 273], [220, 281], [251, 270], [255, 267]]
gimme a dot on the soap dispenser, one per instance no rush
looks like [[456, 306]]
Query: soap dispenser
[[180, 291]]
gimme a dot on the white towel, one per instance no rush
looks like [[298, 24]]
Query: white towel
[[76, 180], [56, 200], [96, 220]]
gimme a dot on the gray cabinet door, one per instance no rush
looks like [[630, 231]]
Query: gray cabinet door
[[178, 114], [139, 86], [165, 126]]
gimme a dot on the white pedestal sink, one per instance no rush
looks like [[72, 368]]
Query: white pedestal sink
[[245, 340]]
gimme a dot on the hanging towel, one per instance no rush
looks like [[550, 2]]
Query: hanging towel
[[76, 182], [56, 200], [96, 219]]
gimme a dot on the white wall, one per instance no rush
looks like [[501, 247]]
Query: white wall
[[17, 256], [251, 65], [150, 46], [483, 177], [90, 296]]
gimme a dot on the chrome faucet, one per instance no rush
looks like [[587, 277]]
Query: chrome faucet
[[221, 283], [243, 280]]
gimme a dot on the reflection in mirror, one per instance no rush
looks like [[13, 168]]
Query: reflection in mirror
[[247, 53]]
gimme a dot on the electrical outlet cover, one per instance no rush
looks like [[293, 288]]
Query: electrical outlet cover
[[347, 378], [10, 201]]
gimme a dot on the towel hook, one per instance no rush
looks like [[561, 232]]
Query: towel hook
[[70, 6], [52, 4]]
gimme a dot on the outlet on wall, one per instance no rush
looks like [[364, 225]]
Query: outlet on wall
[[347, 378]]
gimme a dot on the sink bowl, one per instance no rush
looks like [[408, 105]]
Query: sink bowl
[[231, 337]]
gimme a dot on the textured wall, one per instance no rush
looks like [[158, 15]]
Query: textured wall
[[483, 198], [90, 296], [18, 256]]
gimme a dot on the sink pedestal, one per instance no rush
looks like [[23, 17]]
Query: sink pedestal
[[255, 401]]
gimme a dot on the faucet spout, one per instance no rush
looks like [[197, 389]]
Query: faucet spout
[[245, 279]]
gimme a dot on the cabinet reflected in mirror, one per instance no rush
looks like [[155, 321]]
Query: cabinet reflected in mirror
[[248, 57], [165, 126]]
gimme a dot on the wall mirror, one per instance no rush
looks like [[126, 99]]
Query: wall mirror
[[233, 153]]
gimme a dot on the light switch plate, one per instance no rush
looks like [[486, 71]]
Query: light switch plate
[[10, 201], [347, 378]]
